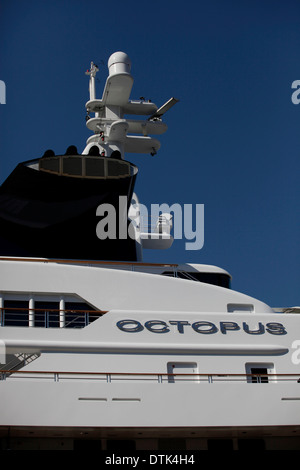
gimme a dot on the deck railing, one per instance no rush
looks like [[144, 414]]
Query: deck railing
[[155, 377], [131, 264], [47, 317]]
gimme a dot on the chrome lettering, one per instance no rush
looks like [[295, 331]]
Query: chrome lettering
[[228, 325], [260, 331], [133, 329], [201, 327], [180, 324], [276, 329], [150, 325]]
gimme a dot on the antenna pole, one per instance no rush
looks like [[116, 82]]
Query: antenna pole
[[92, 73]]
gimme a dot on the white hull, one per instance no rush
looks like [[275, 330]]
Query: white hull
[[106, 378]]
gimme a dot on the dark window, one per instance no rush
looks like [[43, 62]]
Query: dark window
[[259, 378], [15, 313], [78, 315], [46, 314], [217, 279]]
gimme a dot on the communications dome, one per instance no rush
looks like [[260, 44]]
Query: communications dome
[[119, 62]]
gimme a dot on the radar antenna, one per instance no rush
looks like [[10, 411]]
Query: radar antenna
[[92, 73]]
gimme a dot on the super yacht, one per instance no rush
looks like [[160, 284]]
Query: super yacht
[[101, 350]]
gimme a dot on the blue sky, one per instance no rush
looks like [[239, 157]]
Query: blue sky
[[233, 141]]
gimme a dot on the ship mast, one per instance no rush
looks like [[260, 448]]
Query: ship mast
[[92, 73], [114, 135]]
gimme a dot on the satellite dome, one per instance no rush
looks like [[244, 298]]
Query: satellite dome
[[119, 62]]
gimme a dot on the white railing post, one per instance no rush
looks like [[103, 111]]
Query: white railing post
[[31, 313], [1, 310], [62, 313]]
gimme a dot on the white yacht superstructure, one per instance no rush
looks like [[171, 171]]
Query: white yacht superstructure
[[121, 354]]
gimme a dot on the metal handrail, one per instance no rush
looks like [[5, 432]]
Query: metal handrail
[[100, 312], [88, 262], [154, 375], [46, 314]]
